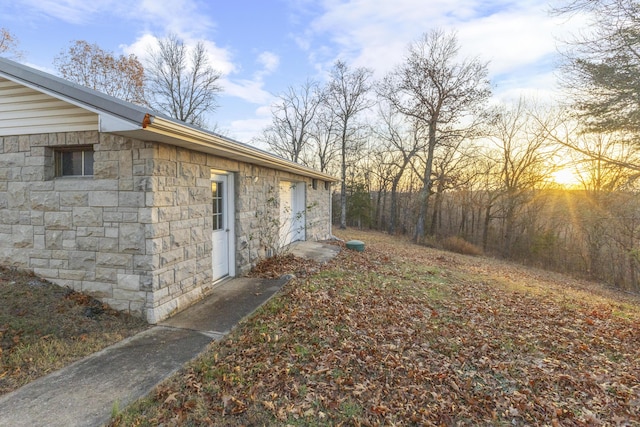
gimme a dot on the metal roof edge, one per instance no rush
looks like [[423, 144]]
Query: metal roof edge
[[211, 140]]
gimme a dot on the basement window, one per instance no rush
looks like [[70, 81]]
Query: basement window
[[77, 161]]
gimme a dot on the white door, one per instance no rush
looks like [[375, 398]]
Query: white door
[[299, 202], [286, 209], [222, 235], [292, 212]]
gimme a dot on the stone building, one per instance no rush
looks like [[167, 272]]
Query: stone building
[[142, 211]]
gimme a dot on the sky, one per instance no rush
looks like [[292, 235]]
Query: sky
[[262, 47]]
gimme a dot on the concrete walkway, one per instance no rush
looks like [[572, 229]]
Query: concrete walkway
[[88, 391]]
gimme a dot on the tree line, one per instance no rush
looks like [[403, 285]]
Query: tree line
[[423, 152]]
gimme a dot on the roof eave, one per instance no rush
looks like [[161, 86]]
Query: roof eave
[[188, 137]]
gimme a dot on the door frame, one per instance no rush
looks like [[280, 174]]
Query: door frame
[[229, 212], [293, 227]]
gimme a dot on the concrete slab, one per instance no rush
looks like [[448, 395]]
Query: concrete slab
[[317, 251], [230, 302], [84, 393]]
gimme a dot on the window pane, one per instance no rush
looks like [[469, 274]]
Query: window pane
[[72, 163], [216, 194], [220, 206], [88, 162]]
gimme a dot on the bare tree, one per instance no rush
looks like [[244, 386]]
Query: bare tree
[[382, 170], [89, 65], [322, 150], [181, 82], [405, 138], [436, 89], [603, 166], [9, 44], [347, 92], [449, 165], [588, 147], [292, 118], [522, 153]]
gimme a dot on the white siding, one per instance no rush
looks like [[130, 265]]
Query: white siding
[[25, 111]]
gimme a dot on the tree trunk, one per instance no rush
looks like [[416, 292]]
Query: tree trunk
[[485, 229], [426, 185], [393, 214], [423, 198], [343, 186], [464, 226], [378, 207], [437, 206], [509, 231]]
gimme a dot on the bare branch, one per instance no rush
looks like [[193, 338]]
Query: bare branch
[[181, 82]]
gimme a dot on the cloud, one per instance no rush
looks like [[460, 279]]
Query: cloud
[[252, 90], [70, 11], [247, 130], [514, 36], [248, 90], [509, 39], [182, 17], [219, 58], [141, 47], [269, 61]]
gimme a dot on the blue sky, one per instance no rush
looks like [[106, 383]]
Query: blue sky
[[263, 46]]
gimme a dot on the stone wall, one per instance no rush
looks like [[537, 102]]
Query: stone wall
[[84, 233], [138, 234]]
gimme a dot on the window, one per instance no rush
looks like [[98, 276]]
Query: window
[[74, 162], [216, 193]]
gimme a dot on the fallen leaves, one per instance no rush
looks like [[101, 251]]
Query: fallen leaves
[[406, 335], [277, 266], [232, 406], [44, 327]]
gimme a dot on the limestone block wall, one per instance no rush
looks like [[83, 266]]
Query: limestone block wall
[[254, 188], [178, 234], [85, 233], [318, 216], [137, 234]]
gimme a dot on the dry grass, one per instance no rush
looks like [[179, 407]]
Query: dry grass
[[44, 327], [461, 246], [408, 335]]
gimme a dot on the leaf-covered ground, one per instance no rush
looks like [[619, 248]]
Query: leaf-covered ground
[[44, 327], [406, 335]]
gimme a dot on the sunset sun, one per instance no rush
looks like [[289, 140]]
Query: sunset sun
[[565, 178]]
